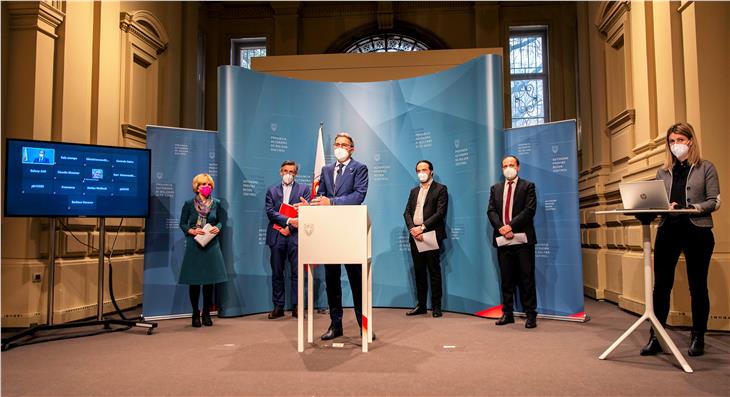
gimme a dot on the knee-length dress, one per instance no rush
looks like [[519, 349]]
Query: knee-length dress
[[202, 265]]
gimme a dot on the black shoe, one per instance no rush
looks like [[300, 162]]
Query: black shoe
[[416, 311], [276, 313], [331, 333], [696, 344], [196, 319], [207, 321], [295, 311], [436, 312], [531, 321], [652, 347], [507, 318]]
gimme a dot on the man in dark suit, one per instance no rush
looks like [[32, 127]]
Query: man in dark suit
[[512, 206], [343, 183], [281, 235], [41, 158], [425, 212]]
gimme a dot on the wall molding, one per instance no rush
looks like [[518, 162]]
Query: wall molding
[[611, 19], [621, 121], [40, 16], [146, 27]]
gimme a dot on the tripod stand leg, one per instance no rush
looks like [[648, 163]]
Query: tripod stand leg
[[666, 342], [624, 336]]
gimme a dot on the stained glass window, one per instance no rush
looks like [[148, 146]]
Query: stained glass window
[[528, 76], [387, 42]]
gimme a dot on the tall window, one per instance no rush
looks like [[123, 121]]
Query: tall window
[[387, 42], [243, 49], [528, 69]]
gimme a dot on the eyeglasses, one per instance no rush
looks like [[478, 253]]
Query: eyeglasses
[[342, 145]]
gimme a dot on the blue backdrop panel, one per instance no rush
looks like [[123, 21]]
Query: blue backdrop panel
[[177, 156], [548, 157], [452, 118]]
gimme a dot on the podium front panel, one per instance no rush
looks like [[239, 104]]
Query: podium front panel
[[333, 234]]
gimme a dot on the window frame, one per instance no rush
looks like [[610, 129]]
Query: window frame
[[245, 43]]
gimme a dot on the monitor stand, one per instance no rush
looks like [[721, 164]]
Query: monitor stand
[[26, 336]]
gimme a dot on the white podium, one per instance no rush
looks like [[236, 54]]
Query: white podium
[[646, 217], [334, 235]]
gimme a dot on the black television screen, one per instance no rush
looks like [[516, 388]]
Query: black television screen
[[54, 179]]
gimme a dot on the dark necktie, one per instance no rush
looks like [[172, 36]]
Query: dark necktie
[[340, 166], [507, 215]]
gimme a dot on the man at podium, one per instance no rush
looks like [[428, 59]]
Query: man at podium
[[343, 183]]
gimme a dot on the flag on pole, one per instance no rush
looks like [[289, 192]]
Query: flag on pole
[[318, 160], [318, 164]]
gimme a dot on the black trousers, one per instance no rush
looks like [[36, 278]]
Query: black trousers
[[517, 267], [697, 244], [194, 291], [427, 267], [332, 274]]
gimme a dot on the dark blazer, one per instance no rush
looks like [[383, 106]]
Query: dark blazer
[[434, 209], [352, 185], [274, 199], [523, 209]]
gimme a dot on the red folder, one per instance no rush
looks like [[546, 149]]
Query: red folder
[[288, 211]]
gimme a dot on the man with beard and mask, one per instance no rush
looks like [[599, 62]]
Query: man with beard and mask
[[343, 183], [425, 212], [281, 235], [512, 206]]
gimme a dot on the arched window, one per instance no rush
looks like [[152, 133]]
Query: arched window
[[386, 42]]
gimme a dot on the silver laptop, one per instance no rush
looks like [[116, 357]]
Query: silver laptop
[[644, 195]]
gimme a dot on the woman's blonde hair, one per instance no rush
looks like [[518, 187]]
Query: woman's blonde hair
[[201, 179], [694, 156]]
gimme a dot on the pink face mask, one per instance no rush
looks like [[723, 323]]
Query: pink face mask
[[205, 190]]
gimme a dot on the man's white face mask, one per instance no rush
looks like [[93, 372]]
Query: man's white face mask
[[509, 172], [341, 154]]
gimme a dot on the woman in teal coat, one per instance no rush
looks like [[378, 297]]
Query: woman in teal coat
[[202, 265]]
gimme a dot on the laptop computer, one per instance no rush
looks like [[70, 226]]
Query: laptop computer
[[644, 195]]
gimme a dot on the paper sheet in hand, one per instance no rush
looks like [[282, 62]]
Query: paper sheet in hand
[[429, 242], [519, 238], [204, 239]]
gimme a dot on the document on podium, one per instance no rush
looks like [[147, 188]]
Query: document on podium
[[429, 242], [519, 238], [204, 239]]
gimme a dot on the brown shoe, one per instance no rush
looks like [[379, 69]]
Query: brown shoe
[[276, 313], [295, 311]]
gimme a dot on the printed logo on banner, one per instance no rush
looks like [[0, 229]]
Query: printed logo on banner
[[211, 155], [274, 127], [380, 170], [555, 149], [159, 175], [457, 143], [308, 228]]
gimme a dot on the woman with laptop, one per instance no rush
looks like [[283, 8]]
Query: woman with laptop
[[691, 183]]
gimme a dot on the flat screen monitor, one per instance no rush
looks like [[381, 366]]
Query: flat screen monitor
[[54, 179]]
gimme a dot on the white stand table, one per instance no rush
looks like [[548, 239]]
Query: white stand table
[[646, 217]]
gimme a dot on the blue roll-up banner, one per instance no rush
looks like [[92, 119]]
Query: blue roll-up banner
[[178, 155], [549, 157], [452, 118]]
